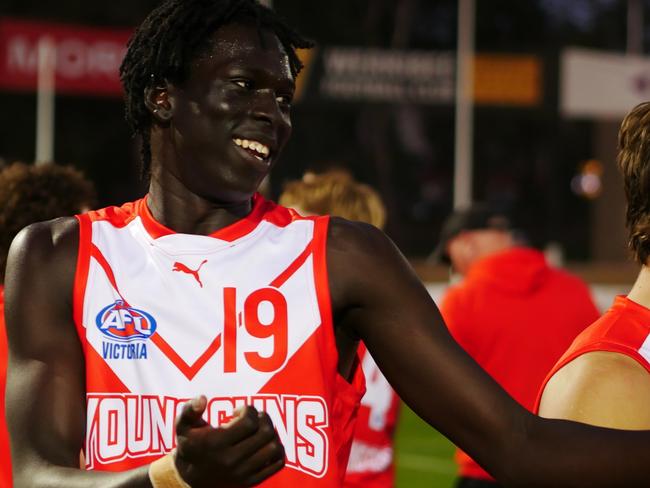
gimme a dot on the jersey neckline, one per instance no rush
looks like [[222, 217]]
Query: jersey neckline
[[229, 233]]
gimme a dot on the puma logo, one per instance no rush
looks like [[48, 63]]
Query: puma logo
[[184, 269]]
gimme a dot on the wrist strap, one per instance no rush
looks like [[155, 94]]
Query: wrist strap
[[163, 473]]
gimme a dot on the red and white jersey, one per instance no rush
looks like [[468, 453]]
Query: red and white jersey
[[242, 316], [371, 462], [624, 328]]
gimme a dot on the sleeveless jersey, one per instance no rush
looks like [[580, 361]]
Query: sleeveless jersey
[[624, 328], [242, 316]]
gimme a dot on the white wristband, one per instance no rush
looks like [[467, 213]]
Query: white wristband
[[163, 473]]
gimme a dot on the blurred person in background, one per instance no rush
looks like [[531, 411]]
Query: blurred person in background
[[604, 377], [29, 194], [511, 312], [204, 290], [336, 193]]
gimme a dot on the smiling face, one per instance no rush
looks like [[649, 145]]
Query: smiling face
[[230, 119]]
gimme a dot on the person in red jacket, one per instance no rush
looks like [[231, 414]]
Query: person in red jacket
[[30, 194], [513, 313], [603, 379], [336, 193]]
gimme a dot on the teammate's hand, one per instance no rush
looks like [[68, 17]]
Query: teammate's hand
[[243, 453]]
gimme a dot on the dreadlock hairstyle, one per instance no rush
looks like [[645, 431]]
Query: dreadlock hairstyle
[[172, 36]]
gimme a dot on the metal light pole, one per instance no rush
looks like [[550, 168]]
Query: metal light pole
[[464, 134], [45, 101]]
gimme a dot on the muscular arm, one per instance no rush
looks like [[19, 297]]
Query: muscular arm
[[46, 377], [600, 388], [377, 297]]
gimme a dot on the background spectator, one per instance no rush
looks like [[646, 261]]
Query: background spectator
[[512, 313]]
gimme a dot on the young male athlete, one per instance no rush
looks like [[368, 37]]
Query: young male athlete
[[31, 194], [108, 342], [336, 193], [604, 377]]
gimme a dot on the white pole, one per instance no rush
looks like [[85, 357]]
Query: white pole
[[464, 134], [45, 104]]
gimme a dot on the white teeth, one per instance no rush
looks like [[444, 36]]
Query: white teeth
[[254, 145]]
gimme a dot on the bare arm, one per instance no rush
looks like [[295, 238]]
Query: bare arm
[[600, 388], [46, 404], [377, 297], [46, 397]]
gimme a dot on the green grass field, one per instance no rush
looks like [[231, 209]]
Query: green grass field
[[424, 457]]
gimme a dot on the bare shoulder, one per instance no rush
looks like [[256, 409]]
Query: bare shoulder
[[361, 259], [44, 243], [370, 277], [40, 270], [602, 388], [358, 239], [44, 252], [42, 238]]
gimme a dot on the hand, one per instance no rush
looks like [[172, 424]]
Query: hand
[[244, 452]]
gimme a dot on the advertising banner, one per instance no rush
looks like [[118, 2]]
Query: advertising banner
[[427, 77], [508, 80], [382, 75], [604, 85], [87, 59]]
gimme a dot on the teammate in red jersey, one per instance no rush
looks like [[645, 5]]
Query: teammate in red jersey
[[603, 379], [204, 79], [336, 193], [31, 194], [512, 312]]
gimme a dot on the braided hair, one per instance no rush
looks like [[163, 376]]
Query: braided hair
[[172, 36]]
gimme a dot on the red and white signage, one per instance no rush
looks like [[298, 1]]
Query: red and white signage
[[87, 59]]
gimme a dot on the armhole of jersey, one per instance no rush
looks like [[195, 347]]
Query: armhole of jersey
[[321, 225], [81, 274], [594, 347], [356, 383]]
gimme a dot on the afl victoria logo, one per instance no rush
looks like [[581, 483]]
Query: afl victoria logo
[[122, 323]]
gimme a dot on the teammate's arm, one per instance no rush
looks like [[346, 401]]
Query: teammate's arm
[[600, 388], [46, 397], [377, 297]]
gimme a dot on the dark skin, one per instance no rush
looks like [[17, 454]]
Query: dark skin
[[202, 182]]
